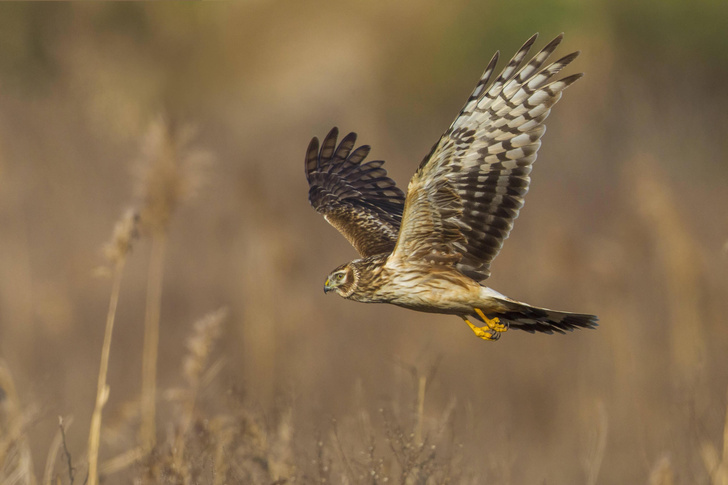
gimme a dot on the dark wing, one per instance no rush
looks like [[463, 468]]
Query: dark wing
[[356, 198], [463, 199]]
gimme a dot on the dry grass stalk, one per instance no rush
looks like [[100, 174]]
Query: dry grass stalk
[[59, 440], [194, 446], [221, 462], [420, 381], [350, 477], [16, 464], [121, 432], [117, 251], [121, 462], [420, 413], [323, 463], [169, 174], [415, 459], [151, 340], [207, 444], [418, 446]]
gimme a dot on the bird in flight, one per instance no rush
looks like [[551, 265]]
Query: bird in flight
[[430, 251]]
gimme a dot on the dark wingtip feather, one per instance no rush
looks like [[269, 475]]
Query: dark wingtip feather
[[493, 61], [311, 157], [569, 80], [345, 146], [566, 60], [529, 43], [581, 321], [328, 146], [357, 198]]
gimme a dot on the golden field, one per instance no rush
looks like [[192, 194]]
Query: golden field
[[196, 117]]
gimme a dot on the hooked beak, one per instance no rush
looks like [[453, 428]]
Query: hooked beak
[[327, 286]]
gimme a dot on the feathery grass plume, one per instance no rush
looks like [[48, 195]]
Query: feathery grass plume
[[197, 371], [116, 251], [16, 464], [124, 234], [217, 436], [169, 173], [58, 441], [205, 333]]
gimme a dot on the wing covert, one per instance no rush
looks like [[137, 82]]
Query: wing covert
[[484, 159], [357, 198]]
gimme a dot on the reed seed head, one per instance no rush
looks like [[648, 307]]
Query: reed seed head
[[125, 232], [169, 172]]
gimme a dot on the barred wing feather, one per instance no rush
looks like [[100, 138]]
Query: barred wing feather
[[357, 198], [465, 195]]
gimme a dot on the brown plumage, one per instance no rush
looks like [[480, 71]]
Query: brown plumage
[[430, 251]]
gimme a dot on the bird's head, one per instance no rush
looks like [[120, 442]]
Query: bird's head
[[342, 280]]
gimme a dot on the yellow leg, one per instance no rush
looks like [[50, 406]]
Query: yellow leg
[[482, 333], [492, 323]]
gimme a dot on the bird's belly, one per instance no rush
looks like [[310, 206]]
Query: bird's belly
[[436, 294]]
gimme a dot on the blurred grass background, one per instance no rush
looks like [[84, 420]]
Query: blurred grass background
[[626, 219]]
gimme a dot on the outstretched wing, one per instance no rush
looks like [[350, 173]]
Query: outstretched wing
[[465, 195], [356, 198]]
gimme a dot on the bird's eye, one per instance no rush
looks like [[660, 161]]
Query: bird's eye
[[339, 276]]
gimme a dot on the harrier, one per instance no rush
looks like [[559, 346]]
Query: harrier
[[430, 251]]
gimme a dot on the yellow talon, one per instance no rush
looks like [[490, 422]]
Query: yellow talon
[[492, 323], [480, 332]]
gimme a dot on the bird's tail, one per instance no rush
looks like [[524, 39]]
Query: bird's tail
[[533, 319]]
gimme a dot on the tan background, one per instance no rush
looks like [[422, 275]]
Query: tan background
[[626, 219]]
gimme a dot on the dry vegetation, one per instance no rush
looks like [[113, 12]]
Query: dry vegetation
[[221, 361]]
